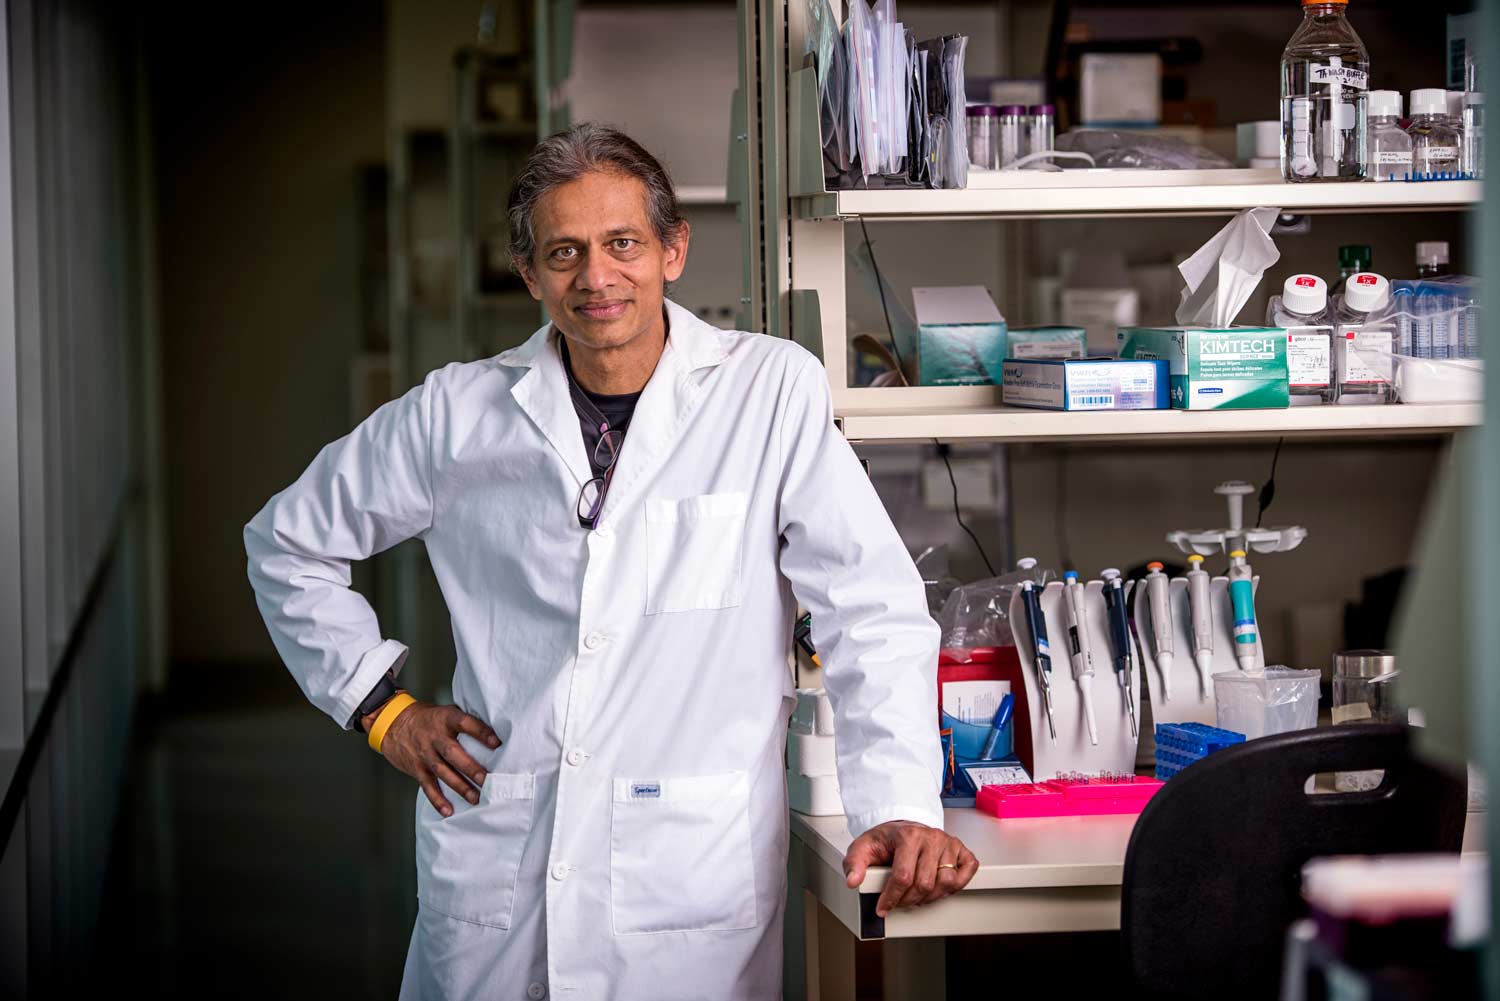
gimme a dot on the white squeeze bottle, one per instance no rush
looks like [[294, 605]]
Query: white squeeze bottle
[[1302, 308], [1325, 72]]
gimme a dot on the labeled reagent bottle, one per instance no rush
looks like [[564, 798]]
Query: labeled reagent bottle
[[1363, 342], [1325, 72], [1434, 137], [1302, 308], [1390, 146]]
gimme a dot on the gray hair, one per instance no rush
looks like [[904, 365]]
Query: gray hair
[[572, 153]]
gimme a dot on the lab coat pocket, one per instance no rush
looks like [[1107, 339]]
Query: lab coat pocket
[[680, 856], [467, 864], [694, 547]]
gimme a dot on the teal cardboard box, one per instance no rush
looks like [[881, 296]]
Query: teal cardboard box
[[1046, 342], [961, 336], [1234, 368]]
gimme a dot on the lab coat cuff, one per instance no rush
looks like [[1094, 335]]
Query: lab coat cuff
[[389, 655], [859, 823]]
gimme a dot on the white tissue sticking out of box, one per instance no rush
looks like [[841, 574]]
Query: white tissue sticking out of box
[[1222, 274], [812, 782]]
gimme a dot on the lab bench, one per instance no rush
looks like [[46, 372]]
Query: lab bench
[[1055, 874]]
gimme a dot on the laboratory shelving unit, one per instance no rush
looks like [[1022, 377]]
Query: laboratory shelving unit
[[795, 233], [799, 290]]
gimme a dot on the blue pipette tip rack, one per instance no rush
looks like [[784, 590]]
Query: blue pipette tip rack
[[1180, 744]]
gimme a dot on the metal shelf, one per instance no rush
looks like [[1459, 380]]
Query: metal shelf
[[967, 422], [1105, 194]]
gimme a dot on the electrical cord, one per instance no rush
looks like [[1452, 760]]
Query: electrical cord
[[943, 451], [1268, 492]]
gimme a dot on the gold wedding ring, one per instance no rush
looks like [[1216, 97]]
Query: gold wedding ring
[[947, 865]]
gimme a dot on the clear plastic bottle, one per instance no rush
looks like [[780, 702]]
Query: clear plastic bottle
[[1363, 342], [1435, 316], [1432, 259], [1471, 159], [1390, 146], [1041, 128], [1468, 319], [1325, 71], [1434, 139], [1302, 308]]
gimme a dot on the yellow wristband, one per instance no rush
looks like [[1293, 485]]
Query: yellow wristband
[[388, 713]]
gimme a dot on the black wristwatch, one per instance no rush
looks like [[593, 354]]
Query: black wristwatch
[[379, 696]]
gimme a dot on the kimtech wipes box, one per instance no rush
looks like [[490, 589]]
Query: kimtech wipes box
[[961, 336], [1233, 368], [1086, 384]]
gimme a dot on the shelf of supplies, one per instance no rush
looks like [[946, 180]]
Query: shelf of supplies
[[967, 422], [1103, 194]]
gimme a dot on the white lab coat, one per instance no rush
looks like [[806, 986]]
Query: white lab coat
[[630, 841]]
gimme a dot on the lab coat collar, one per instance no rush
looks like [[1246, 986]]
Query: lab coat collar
[[669, 399]]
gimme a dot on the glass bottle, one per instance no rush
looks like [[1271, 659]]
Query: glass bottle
[[1390, 146], [1432, 259], [1325, 71], [983, 122], [1363, 342], [1302, 308], [1353, 258], [1012, 133], [1434, 140], [1041, 129]]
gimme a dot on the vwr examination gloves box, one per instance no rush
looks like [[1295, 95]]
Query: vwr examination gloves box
[[961, 336], [1086, 384], [1230, 368]]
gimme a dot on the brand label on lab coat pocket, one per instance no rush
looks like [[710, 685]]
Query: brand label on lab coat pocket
[[680, 856]]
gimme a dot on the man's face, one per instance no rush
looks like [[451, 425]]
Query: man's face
[[599, 265]]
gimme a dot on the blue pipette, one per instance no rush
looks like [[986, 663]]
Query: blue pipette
[[1002, 718], [1036, 627]]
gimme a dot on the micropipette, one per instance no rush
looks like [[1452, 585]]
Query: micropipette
[[1158, 591], [1200, 602], [1036, 625], [1079, 650], [1119, 632], [1242, 599]]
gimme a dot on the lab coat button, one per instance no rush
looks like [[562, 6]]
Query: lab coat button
[[559, 872], [575, 758], [536, 992], [594, 640]]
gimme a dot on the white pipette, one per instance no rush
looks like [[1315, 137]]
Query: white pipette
[[1078, 648], [1200, 601], [1158, 591]]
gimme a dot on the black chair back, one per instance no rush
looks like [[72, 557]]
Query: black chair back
[[1212, 874]]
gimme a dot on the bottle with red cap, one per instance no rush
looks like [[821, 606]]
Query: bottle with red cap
[[1363, 341], [1302, 308]]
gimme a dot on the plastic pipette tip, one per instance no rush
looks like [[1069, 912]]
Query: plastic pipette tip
[[1130, 708], [1164, 661], [1205, 662], [1088, 717]]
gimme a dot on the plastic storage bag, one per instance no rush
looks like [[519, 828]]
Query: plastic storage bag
[[1258, 705], [1435, 340], [1140, 150], [978, 614]]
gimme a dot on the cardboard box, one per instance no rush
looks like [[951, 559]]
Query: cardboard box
[[1235, 368], [1087, 384], [1120, 89], [961, 336], [1047, 342]]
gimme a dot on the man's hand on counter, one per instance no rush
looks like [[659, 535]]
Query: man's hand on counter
[[926, 864]]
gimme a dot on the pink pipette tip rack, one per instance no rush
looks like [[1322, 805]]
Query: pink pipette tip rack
[[1068, 798]]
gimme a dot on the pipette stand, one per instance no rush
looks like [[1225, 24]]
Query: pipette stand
[[1211, 541], [1072, 751], [1190, 703]]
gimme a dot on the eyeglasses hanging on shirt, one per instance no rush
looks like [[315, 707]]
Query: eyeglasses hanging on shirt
[[603, 436]]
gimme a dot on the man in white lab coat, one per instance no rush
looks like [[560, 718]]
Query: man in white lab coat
[[623, 514]]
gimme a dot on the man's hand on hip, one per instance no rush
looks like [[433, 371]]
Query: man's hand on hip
[[423, 743], [926, 864]]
